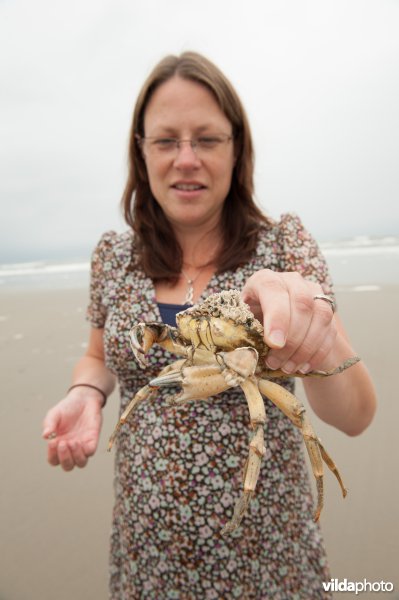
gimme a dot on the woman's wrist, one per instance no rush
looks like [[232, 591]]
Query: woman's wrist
[[88, 389]]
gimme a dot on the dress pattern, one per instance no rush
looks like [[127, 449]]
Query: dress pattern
[[178, 470]]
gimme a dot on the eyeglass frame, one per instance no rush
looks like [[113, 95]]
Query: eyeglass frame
[[178, 141]]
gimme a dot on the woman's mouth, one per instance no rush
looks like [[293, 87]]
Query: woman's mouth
[[188, 187]]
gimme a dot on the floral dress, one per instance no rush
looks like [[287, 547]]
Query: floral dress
[[178, 470]]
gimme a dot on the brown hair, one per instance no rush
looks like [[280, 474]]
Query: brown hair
[[159, 252]]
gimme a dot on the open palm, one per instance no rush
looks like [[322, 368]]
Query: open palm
[[72, 429]]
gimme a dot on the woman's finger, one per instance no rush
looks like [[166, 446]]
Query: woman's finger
[[318, 342], [301, 313], [320, 352], [51, 424], [65, 456], [79, 457], [52, 454], [90, 444], [268, 290]]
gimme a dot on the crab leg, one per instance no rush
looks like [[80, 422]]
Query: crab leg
[[143, 394], [255, 401], [251, 473], [349, 362], [295, 411], [239, 369], [198, 382], [257, 450]]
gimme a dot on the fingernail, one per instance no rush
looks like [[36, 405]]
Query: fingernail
[[304, 368], [289, 367], [273, 363], [277, 338]]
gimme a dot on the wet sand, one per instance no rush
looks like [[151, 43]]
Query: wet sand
[[54, 526]]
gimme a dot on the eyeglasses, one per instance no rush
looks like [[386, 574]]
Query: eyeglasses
[[203, 145]]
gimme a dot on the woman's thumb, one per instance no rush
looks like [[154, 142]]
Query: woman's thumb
[[50, 425]]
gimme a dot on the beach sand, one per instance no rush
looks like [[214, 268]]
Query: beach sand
[[54, 525]]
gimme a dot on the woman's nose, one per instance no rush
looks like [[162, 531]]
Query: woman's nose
[[186, 155]]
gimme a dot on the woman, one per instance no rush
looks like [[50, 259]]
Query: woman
[[195, 230]]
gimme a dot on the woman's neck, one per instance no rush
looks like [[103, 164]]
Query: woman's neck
[[199, 248]]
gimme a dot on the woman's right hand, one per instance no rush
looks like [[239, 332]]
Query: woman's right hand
[[72, 428]]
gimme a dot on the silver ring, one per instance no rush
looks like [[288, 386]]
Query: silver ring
[[326, 299]]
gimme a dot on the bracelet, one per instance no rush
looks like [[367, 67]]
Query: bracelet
[[93, 387]]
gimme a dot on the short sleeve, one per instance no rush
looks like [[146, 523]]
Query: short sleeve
[[101, 268], [301, 253]]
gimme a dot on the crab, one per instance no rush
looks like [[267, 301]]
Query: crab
[[223, 346]]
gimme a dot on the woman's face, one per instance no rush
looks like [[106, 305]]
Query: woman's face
[[189, 184]]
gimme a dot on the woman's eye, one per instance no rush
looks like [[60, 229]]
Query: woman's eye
[[208, 141], [164, 143]]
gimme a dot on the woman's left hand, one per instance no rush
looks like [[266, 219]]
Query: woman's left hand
[[300, 330]]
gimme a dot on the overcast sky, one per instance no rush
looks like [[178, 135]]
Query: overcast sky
[[319, 79]]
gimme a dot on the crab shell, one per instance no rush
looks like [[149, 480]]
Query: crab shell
[[222, 322]]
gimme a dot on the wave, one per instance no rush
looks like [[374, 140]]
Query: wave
[[360, 250], [362, 244], [42, 268]]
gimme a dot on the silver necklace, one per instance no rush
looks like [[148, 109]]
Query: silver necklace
[[189, 299]]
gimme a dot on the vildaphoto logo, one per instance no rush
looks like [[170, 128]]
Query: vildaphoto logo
[[336, 585]]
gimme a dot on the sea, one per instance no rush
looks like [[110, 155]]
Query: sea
[[362, 263]]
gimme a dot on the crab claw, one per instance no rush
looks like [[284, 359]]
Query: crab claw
[[142, 337]]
